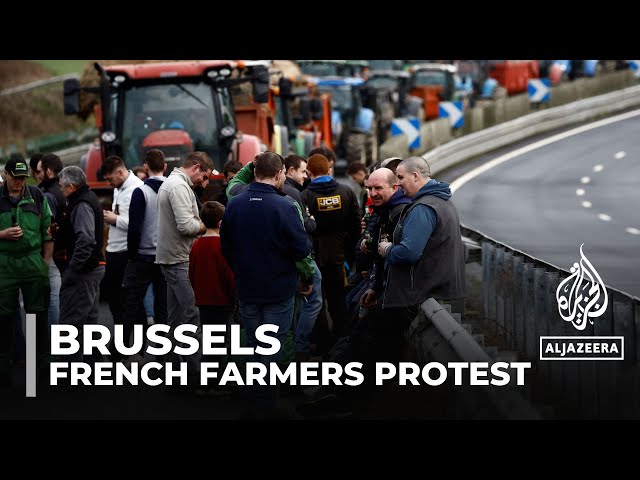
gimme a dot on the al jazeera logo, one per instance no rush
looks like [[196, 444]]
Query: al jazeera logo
[[582, 298]]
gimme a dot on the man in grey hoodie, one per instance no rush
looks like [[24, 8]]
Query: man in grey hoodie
[[178, 225]]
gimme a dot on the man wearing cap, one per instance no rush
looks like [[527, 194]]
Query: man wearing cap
[[25, 251]]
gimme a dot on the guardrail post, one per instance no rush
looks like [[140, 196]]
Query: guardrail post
[[518, 303], [530, 340], [624, 325], [605, 370], [563, 375], [497, 291], [636, 382], [488, 283], [539, 314], [508, 295]]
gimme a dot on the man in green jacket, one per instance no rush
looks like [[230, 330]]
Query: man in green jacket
[[26, 248]]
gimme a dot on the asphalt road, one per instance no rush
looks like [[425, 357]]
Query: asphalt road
[[549, 201]]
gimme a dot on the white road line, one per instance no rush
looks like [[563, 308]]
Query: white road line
[[597, 168], [585, 180], [604, 217], [632, 231], [580, 192], [470, 175], [620, 155], [586, 204]]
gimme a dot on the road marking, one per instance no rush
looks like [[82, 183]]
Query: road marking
[[580, 192], [604, 217], [586, 204], [470, 175], [585, 180], [632, 231], [620, 155], [597, 168]]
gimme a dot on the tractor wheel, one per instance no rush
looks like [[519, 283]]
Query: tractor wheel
[[371, 147], [356, 148], [284, 141], [309, 139]]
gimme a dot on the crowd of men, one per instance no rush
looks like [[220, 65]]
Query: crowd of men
[[340, 267]]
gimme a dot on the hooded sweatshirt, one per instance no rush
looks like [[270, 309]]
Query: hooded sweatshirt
[[142, 236], [427, 255]]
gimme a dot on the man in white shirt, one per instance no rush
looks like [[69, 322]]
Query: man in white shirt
[[124, 183]]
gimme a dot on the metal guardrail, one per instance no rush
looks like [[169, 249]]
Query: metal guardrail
[[38, 83], [435, 335], [483, 141], [520, 297]]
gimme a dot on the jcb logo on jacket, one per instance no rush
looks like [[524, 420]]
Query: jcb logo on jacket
[[329, 203]]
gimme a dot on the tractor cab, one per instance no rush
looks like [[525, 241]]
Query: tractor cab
[[386, 92], [351, 124], [333, 68], [177, 107], [433, 83], [302, 117]]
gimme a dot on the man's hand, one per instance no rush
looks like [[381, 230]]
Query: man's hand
[[369, 298], [11, 233], [110, 217], [305, 289], [203, 229], [363, 245], [383, 247]]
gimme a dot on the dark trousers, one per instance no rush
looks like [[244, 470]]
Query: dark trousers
[[333, 282], [217, 315], [7, 328], [79, 301], [378, 337], [138, 275], [112, 283]]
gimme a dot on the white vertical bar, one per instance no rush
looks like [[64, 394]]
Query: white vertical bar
[[30, 337]]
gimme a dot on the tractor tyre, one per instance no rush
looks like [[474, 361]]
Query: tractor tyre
[[356, 148], [284, 141], [371, 147]]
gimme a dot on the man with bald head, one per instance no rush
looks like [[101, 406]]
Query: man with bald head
[[388, 202], [425, 256]]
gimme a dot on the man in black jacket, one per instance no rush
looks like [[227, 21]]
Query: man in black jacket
[[335, 208], [50, 166], [83, 263]]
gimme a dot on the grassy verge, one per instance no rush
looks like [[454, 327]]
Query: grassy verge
[[62, 67]]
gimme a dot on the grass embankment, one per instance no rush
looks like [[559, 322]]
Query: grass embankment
[[34, 113]]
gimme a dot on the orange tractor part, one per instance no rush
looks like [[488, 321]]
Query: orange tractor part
[[514, 75], [431, 97]]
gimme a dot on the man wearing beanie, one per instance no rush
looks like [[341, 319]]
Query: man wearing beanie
[[335, 208]]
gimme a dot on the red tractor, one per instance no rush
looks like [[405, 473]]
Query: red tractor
[[177, 107], [514, 75]]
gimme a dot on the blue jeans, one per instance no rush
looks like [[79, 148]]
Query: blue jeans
[[55, 281], [261, 398], [310, 307], [148, 301]]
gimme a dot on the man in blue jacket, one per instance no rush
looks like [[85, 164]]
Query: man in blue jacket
[[262, 238], [426, 256]]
